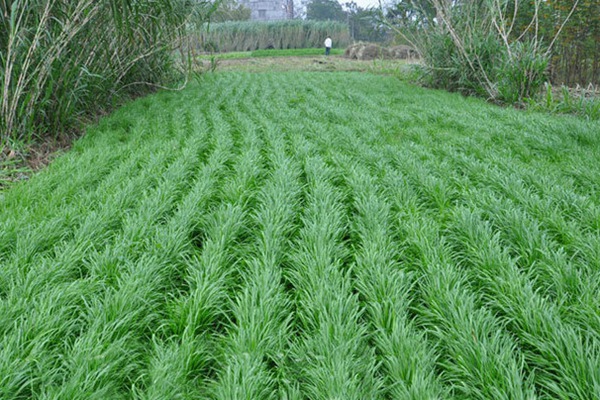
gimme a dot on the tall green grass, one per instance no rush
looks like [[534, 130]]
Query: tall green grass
[[307, 235], [331, 357], [580, 101], [252, 35], [407, 364], [64, 60]]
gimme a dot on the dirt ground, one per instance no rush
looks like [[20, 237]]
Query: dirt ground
[[19, 164], [317, 64]]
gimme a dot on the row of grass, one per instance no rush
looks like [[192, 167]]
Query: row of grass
[[307, 235], [294, 52]]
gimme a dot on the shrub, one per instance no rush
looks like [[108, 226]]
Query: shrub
[[473, 47], [522, 75]]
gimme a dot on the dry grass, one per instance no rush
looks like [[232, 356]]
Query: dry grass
[[314, 64]]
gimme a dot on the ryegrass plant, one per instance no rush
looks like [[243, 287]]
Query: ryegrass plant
[[564, 369], [307, 235], [481, 360], [332, 357], [177, 355], [408, 364], [201, 300], [261, 311]]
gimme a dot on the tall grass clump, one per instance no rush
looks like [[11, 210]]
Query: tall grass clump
[[250, 35], [476, 48], [64, 59]]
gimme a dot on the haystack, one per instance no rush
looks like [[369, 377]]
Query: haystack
[[402, 52], [351, 51], [370, 51]]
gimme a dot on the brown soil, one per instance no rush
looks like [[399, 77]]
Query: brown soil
[[304, 63], [17, 165]]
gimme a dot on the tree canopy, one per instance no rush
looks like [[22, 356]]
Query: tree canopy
[[325, 10], [229, 10], [364, 23]]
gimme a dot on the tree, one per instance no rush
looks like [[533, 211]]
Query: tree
[[325, 10], [412, 13], [229, 10], [576, 51], [364, 23]]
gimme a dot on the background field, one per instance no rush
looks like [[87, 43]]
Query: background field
[[398, 68], [234, 55], [307, 235]]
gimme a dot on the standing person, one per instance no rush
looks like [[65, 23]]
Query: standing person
[[327, 45]]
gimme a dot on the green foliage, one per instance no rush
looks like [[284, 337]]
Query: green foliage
[[365, 23], [230, 10], [325, 10], [292, 34], [575, 56], [234, 55], [293, 52], [465, 47], [579, 101], [521, 75], [307, 235], [61, 60]]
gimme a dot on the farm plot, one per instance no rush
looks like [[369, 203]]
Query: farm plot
[[302, 235]]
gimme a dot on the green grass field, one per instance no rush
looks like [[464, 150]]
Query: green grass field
[[307, 235]]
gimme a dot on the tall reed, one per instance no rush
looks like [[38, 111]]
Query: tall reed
[[250, 35], [60, 60]]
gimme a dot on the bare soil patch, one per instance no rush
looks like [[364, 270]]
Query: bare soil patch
[[319, 63], [19, 164]]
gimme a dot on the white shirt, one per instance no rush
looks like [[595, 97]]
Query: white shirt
[[328, 42]]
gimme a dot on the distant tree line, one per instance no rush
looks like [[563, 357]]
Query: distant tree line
[[363, 23]]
